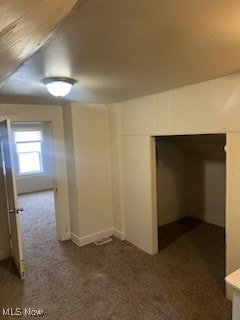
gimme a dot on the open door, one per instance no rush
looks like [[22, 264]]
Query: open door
[[11, 196]]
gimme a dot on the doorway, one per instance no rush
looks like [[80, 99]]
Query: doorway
[[33, 159], [191, 193]]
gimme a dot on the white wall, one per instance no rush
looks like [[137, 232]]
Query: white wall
[[139, 191], [207, 190], [42, 181], [84, 175], [207, 107], [171, 182], [90, 138], [71, 170], [52, 114], [191, 182], [116, 163], [215, 192]]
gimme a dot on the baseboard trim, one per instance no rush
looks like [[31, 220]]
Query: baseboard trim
[[170, 219], [210, 219], [118, 234], [75, 239], [215, 220], [82, 241]]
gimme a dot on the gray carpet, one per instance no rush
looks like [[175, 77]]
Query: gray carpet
[[117, 281]]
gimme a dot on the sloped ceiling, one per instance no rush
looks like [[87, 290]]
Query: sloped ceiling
[[24, 27], [121, 49]]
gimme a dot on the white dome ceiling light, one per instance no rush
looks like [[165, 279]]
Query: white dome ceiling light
[[59, 86]]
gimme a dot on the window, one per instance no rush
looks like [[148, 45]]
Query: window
[[29, 151]]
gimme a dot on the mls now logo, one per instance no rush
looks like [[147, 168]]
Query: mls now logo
[[11, 312], [19, 312]]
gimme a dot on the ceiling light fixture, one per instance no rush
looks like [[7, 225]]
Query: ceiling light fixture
[[59, 86]]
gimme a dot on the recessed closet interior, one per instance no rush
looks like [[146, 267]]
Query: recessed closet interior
[[191, 179]]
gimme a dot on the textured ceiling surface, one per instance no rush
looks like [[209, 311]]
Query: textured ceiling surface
[[121, 49]]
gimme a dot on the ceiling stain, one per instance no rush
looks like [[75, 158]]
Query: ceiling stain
[[8, 30]]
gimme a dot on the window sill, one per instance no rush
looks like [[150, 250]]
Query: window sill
[[30, 175]]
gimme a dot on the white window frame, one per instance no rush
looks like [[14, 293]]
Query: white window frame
[[40, 172]]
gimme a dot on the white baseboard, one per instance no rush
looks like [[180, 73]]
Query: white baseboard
[[4, 255], [82, 241], [215, 220], [210, 219], [118, 234], [75, 239]]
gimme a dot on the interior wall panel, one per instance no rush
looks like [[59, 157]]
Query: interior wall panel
[[211, 106], [93, 171], [137, 116], [141, 227], [115, 154]]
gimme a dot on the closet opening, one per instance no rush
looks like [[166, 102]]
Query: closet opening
[[191, 195]]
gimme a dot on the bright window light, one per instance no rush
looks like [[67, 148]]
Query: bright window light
[[29, 151], [31, 135], [29, 162]]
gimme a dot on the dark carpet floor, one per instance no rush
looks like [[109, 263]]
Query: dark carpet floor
[[117, 281]]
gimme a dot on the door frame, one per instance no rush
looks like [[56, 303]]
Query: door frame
[[31, 124], [187, 135], [154, 164], [232, 203], [61, 199]]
